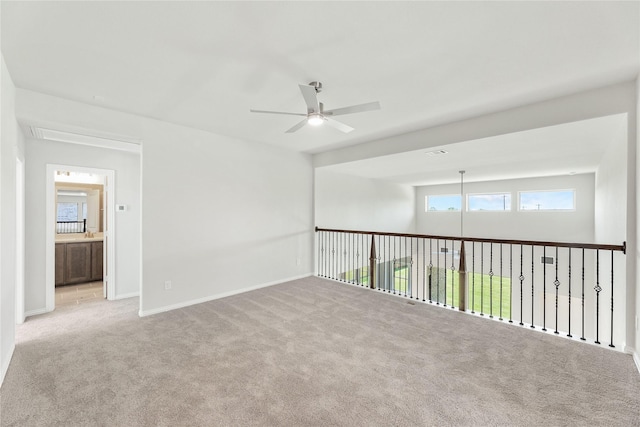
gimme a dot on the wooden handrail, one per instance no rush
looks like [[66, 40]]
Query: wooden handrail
[[622, 248]]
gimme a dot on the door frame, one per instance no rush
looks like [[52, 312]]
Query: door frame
[[20, 238], [109, 258]]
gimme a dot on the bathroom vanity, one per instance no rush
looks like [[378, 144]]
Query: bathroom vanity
[[78, 260]]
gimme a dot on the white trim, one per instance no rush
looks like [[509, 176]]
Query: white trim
[[218, 296], [129, 295], [573, 209], [20, 239], [5, 365], [114, 143], [36, 312], [109, 233], [636, 358]]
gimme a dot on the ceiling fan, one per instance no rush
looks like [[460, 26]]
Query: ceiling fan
[[317, 115]]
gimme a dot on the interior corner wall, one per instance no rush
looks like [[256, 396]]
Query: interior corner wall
[[126, 165], [634, 140], [8, 153], [219, 215], [354, 203], [610, 216], [571, 226]]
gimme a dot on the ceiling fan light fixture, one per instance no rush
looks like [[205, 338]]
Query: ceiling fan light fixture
[[315, 120]]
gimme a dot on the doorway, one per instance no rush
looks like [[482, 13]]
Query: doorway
[[80, 232]]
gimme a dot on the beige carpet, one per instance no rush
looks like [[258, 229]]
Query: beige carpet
[[308, 352]]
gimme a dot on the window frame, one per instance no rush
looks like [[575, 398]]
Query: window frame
[[426, 202], [509, 205], [572, 190]]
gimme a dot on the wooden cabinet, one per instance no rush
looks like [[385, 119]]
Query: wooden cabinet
[[60, 257], [78, 262], [96, 260]]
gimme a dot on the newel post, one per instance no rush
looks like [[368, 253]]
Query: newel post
[[372, 264], [462, 279]]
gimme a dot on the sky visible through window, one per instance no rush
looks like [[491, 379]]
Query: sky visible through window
[[547, 200], [490, 202], [444, 203]]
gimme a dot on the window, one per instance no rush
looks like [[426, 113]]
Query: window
[[553, 200], [489, 202], [451, 202], [67, 211]]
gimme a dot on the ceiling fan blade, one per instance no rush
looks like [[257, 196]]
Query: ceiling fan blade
[[298, 126], [370, 106], [310, 98], [337, 125], [277, 112]]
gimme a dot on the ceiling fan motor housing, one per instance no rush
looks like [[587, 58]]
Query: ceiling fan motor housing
[[317, 86]]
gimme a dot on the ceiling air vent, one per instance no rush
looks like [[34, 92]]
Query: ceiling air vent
[[436, 152]]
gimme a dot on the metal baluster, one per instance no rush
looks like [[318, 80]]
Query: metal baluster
[[410, 269], [510, 283], [491, 280], [500, 317], [406, 283], [345, 266], [357, 269], [473, 277], [393, 270], [569, 315], [557, 285], [532, 285], [387, 263], [481, 278], [438, 272], [611, 335], [521, 278], [417, 270], [445, 273], [353, 259], [339, 257], [544, 288], [582, 337], [430, 268], [380, 244], [424, 263], [319, 252], [381, 264], [336, 257], [453, 269], [597, 289]]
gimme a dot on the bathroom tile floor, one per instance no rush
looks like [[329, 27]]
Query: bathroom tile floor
[[77, 294]]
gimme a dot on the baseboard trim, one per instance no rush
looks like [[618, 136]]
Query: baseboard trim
[[636, 358], [129, 295], [5, 365], [36, 312], [143, 313]]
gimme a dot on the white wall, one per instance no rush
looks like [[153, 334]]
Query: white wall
[[572, 226], [354, 203], [10, 148], [634, 141], [39, 153], [610, 218], [219, 215]]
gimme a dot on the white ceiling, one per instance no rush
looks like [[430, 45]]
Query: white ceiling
[[205, 64], [556, 150]]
